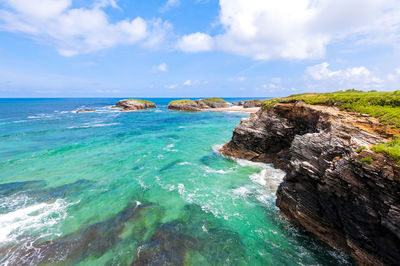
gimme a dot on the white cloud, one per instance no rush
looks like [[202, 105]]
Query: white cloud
[[349, 78], [77, 30], [190, 82], [171, 86], [160, 68], [169, 4], [196, 42], [298, 29], [238, 79]]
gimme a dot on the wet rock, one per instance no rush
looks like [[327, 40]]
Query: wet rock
[[85, 111], [134, 104], [328, 190]]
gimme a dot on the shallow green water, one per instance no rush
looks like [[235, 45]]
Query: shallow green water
[[147, 187]]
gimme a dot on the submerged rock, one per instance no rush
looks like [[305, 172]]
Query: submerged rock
[[198, 105], [136, 222], [196, 236], [85, 111], [134, 104], [349, 200]]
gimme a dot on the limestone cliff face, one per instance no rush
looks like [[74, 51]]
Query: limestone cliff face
[[328, 190]]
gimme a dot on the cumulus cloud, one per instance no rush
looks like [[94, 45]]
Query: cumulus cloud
[[169, 4], [238, 79], [76, 30], [355, 77], [190, 82], [297, 29], [196, 42], [160, 68]]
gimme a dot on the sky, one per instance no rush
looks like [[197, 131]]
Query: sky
[[197, 48]]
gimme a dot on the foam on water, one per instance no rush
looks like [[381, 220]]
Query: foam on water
[[36, 218]]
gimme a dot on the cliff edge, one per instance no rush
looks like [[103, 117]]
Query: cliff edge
[[336, 186]]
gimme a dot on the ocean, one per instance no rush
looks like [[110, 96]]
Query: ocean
[[142, 187]]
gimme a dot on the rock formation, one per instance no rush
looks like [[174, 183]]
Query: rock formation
[[134, 104], [85, 111], [346, 196], [198, 105], [252, 103]]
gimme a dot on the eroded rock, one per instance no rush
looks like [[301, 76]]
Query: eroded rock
[[134, 104]]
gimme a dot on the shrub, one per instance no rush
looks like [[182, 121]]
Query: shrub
[[367, 160], [390, 148], [359, 150]]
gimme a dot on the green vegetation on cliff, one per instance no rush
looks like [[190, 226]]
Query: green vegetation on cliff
[[390, 148], [181, 101], [140, 101], [214, 100], [383, 105]]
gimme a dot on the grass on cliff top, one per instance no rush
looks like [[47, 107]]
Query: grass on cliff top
[[383, 105], [140, 101], [214, 100], [257, 100], [181, 101], [390, 148]]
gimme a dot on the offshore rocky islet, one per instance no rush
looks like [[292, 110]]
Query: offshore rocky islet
[[134, 104], [198, 105]]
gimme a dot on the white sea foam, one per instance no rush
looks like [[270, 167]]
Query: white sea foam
[[31, 220], [41, 116], [241, 191], [169, 148], [211, 170], [184, 163], [217, 147], [95, 125]]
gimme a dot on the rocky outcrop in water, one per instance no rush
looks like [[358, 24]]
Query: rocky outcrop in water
[[346, 196], [198, 105], [85, 111], [134, 104]]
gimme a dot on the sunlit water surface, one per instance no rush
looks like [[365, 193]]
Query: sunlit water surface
[[113, 188]]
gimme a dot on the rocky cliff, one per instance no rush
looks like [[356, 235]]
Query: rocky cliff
[[335, 188]]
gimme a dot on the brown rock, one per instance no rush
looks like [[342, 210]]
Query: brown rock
[[134, 104]]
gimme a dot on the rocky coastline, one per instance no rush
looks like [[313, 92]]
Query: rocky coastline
[[134, 104], [336, 187]]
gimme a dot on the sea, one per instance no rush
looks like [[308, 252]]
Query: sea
[[137, 188]]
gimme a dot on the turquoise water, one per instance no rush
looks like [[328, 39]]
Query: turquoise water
[[142, 188]]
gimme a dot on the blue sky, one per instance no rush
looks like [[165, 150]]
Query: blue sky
[[197, 48]]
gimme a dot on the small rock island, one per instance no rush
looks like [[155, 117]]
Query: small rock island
[[134, 104], [198, 105]]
